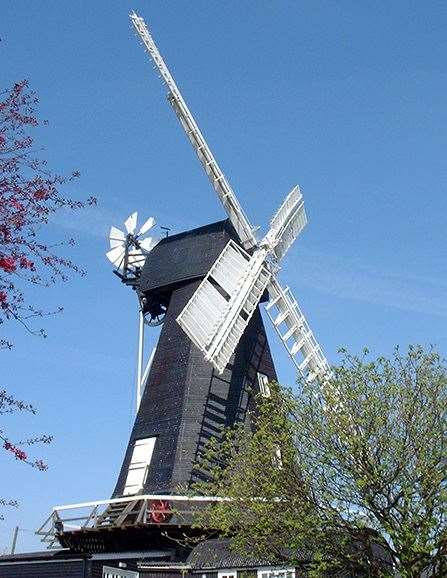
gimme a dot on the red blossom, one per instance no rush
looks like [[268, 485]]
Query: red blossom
[[17, 205], [3, 300], [8, 264], [40, 194], [17, 452], [26, 263], [30, 194]]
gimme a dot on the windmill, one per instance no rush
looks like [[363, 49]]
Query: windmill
[[213, 348], [219, 311], [204, 286]]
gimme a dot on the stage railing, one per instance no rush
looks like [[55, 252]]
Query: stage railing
[[136, 510]]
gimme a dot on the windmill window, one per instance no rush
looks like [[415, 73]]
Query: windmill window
[[263, 382], [139, 465]]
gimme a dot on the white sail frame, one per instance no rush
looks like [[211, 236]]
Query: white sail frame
[[216, 315]]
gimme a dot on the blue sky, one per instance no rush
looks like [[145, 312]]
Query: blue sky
[[345, 98]]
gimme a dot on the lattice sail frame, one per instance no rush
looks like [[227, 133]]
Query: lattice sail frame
[[294, 331], [216, 323], [215, 174]]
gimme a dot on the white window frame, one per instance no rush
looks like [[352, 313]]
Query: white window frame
[[263, 383], [276, 572], [137, 463], [230, 573]]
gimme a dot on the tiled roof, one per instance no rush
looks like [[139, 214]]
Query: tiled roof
[[217, 553]]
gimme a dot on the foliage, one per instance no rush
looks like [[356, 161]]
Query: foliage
[[29, 195], [348, 473]]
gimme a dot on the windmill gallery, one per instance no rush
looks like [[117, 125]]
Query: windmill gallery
[[204, 287]]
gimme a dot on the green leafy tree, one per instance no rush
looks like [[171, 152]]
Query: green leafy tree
[[348, 474]]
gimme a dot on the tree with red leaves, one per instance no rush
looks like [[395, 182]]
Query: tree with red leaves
[[29, 195]]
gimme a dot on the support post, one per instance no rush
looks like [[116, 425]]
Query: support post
[[140, 358], [14, 540]]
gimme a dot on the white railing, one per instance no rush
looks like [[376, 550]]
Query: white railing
[[147, 509]]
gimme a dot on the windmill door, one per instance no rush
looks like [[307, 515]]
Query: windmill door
[[139, 464]]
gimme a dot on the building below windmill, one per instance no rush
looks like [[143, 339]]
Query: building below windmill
[[209, 559]]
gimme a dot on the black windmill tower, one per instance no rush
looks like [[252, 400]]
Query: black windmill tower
[[204, 286]]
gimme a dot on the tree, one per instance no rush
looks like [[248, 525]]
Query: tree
[[30, 194], [351, 471]]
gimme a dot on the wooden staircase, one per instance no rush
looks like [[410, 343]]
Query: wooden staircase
[[120, 514]]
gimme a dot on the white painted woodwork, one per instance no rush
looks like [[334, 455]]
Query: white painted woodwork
[[219, 311], [227, 574], [263, 383], [216, 176], [288, 222], [294, 332], [279, 572], [139, 465]]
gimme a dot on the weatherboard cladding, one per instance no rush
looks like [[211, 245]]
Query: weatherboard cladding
[[161, 406], [45, 569], [66, 564], [96, 568], [185, 400], [35, 566]]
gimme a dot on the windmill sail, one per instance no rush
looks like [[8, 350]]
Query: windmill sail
[[220, 183], [221, 307], [116, 237], [131, 223], [116, 255], [294, 332], [218, 312], [288, 222]]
